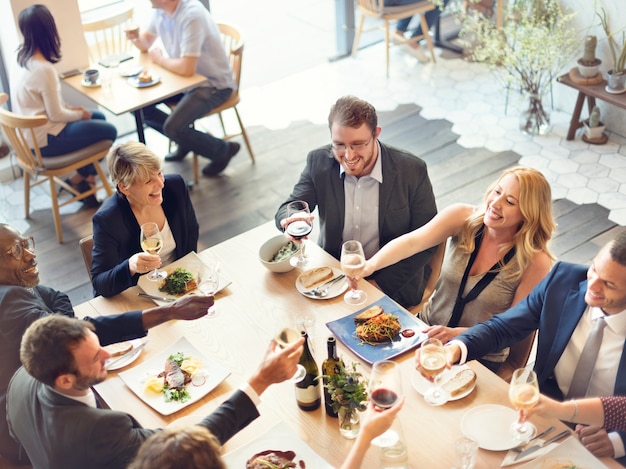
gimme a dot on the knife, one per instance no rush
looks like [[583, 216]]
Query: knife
[[158, 298], [534, 448], [130, 354]]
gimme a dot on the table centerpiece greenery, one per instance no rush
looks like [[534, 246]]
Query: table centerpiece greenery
[[528, 52]]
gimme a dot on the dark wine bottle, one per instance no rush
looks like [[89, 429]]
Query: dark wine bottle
[[330, 367], [308, 393]]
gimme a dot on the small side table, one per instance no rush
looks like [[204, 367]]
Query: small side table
[[591, 93]]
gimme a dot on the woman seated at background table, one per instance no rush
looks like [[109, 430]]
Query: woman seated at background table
[[36, 90], [507, 235], [143, 195]]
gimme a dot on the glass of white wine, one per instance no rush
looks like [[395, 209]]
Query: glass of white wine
[[285, 338], [433, 363], [523, 394], [152, 243], [353, 260], [208, 283], [299, 228]]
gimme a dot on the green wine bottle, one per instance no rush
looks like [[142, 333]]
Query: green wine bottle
[[308, 394], [330, 366]]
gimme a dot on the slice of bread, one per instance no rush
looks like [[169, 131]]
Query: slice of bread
[[369, 313], [460, 383], [317, 276], [118, 349]]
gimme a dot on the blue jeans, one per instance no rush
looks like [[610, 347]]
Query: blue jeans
[[431, 16], [177, 126], [80, 134]]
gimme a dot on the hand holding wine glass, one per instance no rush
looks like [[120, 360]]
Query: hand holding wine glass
[[352, 261], [152, 243], [523, 394], [300, 225], [385, 389], [433, 362], [208, 283], [285, 338]]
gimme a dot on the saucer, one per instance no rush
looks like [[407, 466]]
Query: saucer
[[609, 90], [88, 84]]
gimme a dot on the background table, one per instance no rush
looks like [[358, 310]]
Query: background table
[[250, 312], [123, 97]]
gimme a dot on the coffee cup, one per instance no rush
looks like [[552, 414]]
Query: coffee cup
[[91, 76], [132, 31]]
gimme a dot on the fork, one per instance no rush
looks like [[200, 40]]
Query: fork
[[526, 444], [322, 290]]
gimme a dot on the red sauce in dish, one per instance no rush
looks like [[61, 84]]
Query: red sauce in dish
[[407, 333]]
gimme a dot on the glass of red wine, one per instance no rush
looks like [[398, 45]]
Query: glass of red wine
[[384, 390], [299, 227]]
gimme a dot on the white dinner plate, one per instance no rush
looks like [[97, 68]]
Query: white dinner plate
[[192, 263], [135, 378], [421, 384], [488, 425], [280, 437], [333, 292], [134, 81], [126, 359]]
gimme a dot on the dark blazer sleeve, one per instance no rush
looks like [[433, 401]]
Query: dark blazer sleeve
[[234, 414], [116, 236]]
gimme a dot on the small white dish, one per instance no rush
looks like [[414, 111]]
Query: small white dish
[[612, 91], [334, 291], [130, 70], [134, 81], [88, 84], [421, 384], [488, 425], [129, 357]]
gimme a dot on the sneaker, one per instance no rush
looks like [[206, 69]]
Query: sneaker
[[217, 166], [418, 52], [178, 155]]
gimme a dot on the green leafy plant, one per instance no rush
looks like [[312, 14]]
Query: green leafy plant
[[617, 48], [347, 388]]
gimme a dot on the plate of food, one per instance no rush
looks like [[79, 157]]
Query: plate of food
[[319, 276], [123, 353], [143, 79], [277, 447], [380, 331], [182, 275], [459, 381], [488, 425], [175, 378], [570, 454]]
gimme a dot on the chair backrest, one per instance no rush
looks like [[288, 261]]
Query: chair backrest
[[232, 41], [107, 36], [86, 245], [372, 5], [16, 127]]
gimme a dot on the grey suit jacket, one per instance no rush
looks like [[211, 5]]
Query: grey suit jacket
[[62, 433], [406, 203]]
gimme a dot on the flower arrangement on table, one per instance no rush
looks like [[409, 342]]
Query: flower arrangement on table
[[348, 392], [528, 52]]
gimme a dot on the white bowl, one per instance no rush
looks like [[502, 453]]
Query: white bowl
[[269, 249]]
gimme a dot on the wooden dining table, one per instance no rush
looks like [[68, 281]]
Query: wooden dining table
[[121, 97], [250, 311]]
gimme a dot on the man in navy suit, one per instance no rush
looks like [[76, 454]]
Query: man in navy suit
[[564, 308]]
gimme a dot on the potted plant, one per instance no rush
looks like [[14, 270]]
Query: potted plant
[[617, 75], [528, 52], [594, 128], [589, 64], [348, 392]]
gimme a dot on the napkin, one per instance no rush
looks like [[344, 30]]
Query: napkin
[[509, 459]]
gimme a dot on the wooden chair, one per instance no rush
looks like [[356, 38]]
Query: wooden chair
[[106, 36], [86, 246], [376, 9], [233, 45], [16, 127]]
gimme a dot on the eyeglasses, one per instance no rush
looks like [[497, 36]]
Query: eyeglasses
[[17, 250], [340, 148]]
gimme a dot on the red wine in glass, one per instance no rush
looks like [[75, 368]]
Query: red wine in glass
[[299, 229], [384, 398]]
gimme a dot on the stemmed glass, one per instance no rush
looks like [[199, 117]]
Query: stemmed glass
[[384, 389], [208, 283], [286, 337], [433, 363], [152, 243], [523, 394], [299, 228], [352, 261]]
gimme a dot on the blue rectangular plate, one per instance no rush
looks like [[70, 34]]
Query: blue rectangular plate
[[344, 329]]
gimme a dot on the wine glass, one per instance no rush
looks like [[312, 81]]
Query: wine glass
[[208, 283], [352, 260], [433, 363], [299, 228], [152, 243], [523, 394], [384, 389], [286, 337]]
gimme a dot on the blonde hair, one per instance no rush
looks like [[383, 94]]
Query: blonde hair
[[536, 229], [130, 162], [192, 447]]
